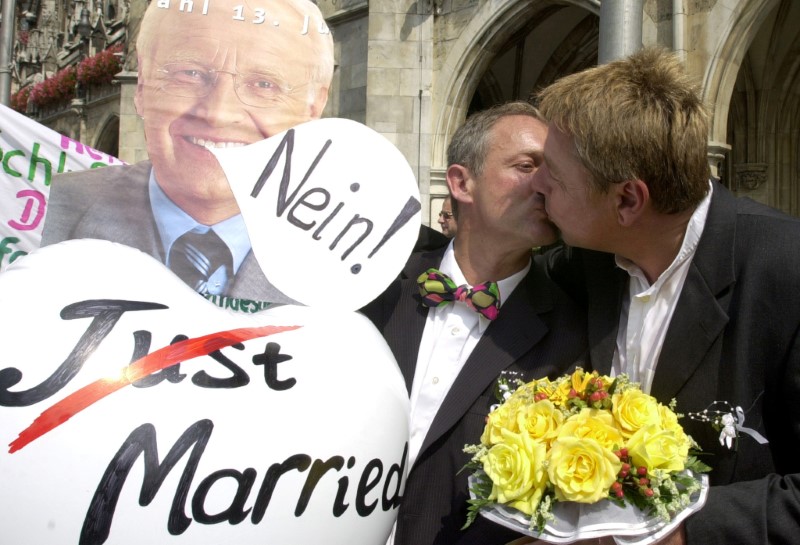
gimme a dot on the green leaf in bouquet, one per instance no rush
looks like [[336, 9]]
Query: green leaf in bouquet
[[695, 465], [481, 489]]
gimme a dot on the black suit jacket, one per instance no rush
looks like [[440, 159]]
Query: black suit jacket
[[539, 332], [735, 337]]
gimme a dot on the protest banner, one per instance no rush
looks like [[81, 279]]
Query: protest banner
[[31, 155]]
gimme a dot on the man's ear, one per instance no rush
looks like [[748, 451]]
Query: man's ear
[[632, 199], [460, 183], [318, 104]]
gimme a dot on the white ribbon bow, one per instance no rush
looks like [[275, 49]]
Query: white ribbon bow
[[731, 427]]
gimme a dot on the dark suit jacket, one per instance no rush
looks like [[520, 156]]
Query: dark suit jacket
[[430, 239], [113, 203], [539, 332], [734, 336]]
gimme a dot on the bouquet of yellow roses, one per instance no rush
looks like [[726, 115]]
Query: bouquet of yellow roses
[[588, 446]]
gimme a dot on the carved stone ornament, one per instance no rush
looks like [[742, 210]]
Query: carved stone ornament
[[750, 176]]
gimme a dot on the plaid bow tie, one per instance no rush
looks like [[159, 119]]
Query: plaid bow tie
[[436, 289]]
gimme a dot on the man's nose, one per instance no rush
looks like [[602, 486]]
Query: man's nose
[[222, 105], [538, 182]]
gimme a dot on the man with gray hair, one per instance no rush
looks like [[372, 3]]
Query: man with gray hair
[[214, 75], [462, 315]]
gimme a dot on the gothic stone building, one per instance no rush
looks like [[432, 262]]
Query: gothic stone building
[[413, 69]]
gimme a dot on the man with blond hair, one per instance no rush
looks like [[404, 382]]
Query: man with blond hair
[[222, 75], [691, 291]]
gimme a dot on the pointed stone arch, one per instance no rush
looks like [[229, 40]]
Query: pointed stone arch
[[723, 68], [107, 138], [489, 29], [755, 106]]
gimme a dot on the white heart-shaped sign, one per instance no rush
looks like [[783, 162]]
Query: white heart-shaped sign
[[135, 411], [332, 210]]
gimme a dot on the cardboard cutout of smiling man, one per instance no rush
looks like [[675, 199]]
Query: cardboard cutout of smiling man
[[212, 75], [134, 411]]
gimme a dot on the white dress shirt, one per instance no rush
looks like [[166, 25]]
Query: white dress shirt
[[451, 333], [647, 309]]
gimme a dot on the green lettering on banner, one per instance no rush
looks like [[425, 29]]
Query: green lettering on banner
[[35, 160], [62, 161], [6, 249], [247, 306], [7, 168]]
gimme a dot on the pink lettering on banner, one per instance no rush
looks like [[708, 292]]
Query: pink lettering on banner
[[28, 221], [83, 149]]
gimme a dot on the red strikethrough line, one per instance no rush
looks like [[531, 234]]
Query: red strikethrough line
[[160, 359]]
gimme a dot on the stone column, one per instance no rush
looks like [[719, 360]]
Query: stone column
[[719, 160], [132, 146], [620, 29], [399, 74]]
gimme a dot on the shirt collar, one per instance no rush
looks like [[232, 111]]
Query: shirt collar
[[694, 230], [505, 286], [172, 222]]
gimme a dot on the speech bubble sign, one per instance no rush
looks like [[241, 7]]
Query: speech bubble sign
[[332, 210], [285, 426]]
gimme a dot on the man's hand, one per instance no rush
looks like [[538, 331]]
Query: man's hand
[[608, 540], [677, 537]]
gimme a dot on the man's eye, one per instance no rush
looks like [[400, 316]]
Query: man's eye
[[189, 75], [261, 84]]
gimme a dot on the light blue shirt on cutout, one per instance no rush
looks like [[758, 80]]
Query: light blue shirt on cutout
[[172, 222]]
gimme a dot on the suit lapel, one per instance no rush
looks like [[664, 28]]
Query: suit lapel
[[408, 329], [408, 317], [250, 283], [697, 322], [506, 340], [132, 224], [606, 291], [702, 311]]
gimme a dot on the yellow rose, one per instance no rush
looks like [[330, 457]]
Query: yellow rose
[[658, 448], [581, 470], [528, 503], [516, 468], [540, 420], [669, 421], [593, 424], [502, 418], [633, 409]]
